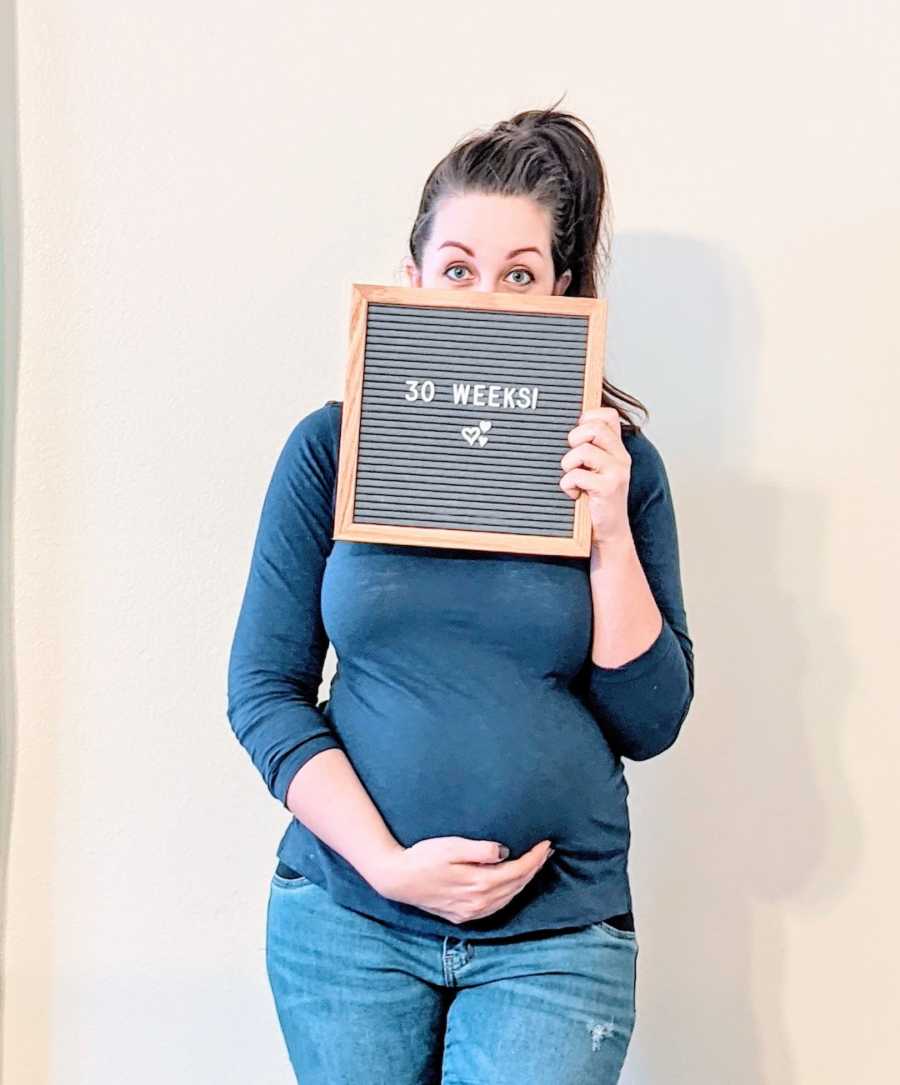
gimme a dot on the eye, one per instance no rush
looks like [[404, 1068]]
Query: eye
[[523, 270], [454, 267]]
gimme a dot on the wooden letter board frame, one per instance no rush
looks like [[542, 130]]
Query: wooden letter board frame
[[363, 294]]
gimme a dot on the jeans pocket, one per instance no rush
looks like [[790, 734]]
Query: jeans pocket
[[292, 881], [614, 932]]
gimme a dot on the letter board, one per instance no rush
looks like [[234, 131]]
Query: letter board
[[456, 411]]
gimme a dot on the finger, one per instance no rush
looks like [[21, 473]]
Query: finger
[[536, 867], [595, 432], [478, 851], [589, 455], [607, 414], [601, 483], [514, 869]]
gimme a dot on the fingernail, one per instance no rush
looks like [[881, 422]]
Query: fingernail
[[504, 851]]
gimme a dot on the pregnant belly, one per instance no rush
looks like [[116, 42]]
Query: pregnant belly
[[514, 770]]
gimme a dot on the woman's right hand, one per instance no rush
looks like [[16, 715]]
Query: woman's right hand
[[457, 878]]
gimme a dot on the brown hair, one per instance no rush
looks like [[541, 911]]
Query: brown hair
[[550, 156]]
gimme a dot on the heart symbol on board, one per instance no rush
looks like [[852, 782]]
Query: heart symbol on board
[[476, 433]]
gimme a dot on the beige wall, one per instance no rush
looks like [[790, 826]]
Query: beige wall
[[189, 190]]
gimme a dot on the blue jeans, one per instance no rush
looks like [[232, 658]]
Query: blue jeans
[[363, 1002]]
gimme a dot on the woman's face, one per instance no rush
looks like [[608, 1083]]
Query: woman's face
[[499, 244]]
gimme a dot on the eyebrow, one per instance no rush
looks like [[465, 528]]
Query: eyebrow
[[515, 252]]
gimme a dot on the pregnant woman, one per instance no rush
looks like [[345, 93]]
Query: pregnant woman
[[451, 902]]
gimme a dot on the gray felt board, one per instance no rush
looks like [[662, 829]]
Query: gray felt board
[[464, 418]]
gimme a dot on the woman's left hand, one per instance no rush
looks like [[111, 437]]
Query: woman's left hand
[[599, 464]]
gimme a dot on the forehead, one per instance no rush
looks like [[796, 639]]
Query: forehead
[[491, 224]]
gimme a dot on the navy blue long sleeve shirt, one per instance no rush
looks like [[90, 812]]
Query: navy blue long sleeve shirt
[[465, 695]]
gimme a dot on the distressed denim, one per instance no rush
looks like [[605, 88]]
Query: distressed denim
[[363, 1002]]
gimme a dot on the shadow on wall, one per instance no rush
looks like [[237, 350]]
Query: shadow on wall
[[731, 824]]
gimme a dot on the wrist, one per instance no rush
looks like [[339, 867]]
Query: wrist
[[379, 864], [613, 545]]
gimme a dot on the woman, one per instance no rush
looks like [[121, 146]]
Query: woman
[[481, 707]]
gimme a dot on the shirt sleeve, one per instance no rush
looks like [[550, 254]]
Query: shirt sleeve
[[642, 704], [279, 645]]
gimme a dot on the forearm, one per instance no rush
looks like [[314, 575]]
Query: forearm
[[329, 798], [627, 619], [639, 679]]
